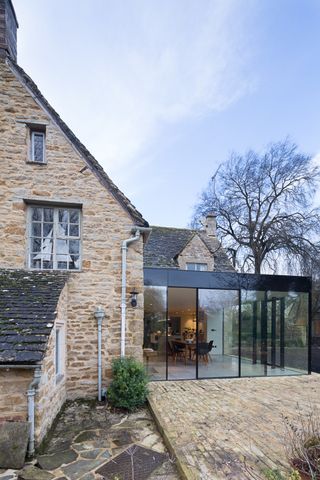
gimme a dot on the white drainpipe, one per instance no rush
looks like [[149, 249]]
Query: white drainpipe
[[137, 232], [99, 315], [31, 416]]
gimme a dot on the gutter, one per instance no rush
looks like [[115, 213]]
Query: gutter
[[136, 231], [99, 316], [7, 366]]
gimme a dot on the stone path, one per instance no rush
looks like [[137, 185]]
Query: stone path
[[86, 436], [231, 429]]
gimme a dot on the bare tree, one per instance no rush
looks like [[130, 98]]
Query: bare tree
[[263, 204]]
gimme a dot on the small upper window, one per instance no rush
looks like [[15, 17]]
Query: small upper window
[[198, 267], [37, 147]]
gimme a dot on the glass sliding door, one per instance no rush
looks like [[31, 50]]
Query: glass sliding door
[[274, 333], [296, 332], [218, 333], [182, 328], [155, 326], [254, 318]]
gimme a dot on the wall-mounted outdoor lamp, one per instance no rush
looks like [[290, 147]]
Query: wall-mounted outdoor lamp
[[133, 298]]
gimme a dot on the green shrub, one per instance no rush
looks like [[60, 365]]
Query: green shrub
[[277, 475], [128, 388]]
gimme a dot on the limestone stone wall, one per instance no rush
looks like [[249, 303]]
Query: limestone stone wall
[[196, 252], [13, 394], [51, 393], [105, 224]]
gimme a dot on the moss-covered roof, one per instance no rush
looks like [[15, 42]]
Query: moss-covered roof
[[166, 243], [28, 307]]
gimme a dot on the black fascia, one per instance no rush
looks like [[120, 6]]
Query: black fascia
[[225, 280]]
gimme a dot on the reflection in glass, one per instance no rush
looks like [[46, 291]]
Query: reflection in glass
[[154, 344], [218, 333], [48, 214], [274, 333], [182, 326], [296, 332]]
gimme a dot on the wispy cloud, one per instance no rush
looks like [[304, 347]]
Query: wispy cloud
[[135, 67], [177, 61]]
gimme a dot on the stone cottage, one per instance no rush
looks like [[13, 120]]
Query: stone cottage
[[71, 244], [71, 256], [84, 279]]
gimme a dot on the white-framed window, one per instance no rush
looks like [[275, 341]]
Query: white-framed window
[[37, 146], [54, 238], [59, 360], [198, 267], [58, 352]]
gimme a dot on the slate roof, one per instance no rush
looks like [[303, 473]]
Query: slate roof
[[28, 303], [91, 162], [165, 244], [222, 262]]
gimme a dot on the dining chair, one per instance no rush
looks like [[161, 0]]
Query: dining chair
[[203, 349]]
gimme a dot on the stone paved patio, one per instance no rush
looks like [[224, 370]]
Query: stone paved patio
[[229, 429], [86, 436]]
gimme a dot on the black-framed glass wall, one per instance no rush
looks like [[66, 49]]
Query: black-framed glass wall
[[220, 325], [274, 333], [155, 332]]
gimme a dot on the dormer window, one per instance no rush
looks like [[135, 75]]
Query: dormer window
[[37, 151], [198, 267]]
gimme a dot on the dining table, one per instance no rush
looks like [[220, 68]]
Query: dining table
[[189, 346]]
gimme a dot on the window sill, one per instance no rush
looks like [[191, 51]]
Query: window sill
[[32, 162]]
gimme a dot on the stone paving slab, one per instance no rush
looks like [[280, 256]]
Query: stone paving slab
[[87, 436], [225, 429]]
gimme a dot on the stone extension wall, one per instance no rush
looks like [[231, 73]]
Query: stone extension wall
[[196, 252], [105, 224], [51, 393]]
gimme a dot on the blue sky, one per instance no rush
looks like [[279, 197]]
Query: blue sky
[[162, 91]]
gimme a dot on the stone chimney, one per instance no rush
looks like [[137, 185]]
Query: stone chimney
[[211, 225], [8, 30]]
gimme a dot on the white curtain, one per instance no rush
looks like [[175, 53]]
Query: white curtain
[[46, 249], [62, 248]]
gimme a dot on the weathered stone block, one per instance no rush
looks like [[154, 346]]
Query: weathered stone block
[[13, 444], [31, 472]]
